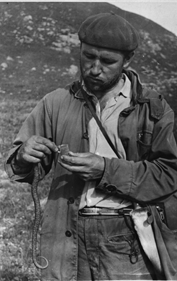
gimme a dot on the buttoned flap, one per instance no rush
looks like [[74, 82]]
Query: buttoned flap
[[145, 130], [144, 143]]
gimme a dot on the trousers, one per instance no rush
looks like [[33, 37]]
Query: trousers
[[109, 249]]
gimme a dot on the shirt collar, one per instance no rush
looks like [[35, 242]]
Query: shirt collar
[[126, 89]]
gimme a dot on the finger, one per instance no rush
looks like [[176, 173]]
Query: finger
[[76, 169], [31, 159], [42, 148], [79, 154], [36, 154], [73, 154], [73, 161], [51, 145]]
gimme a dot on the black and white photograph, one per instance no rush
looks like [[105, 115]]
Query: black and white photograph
[[88, 140]]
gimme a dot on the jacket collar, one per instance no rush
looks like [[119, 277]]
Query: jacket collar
[[139, 94], [136, 86], [76, 90], [144, 95]]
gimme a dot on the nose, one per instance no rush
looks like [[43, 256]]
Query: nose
[[95, 68]]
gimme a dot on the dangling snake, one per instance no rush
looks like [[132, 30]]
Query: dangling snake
[[37, 209]]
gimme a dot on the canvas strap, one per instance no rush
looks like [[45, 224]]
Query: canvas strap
[[92, 110]]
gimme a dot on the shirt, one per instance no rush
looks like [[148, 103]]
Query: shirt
[[99, 145]]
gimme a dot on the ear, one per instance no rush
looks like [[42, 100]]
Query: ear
[[128, 59]]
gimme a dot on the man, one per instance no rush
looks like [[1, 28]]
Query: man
[[87, 231]]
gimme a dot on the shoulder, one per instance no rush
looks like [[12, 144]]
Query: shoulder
[[56, 95], [157, 103], [60, 100], [148, 97], [57, 98], [63, 94]]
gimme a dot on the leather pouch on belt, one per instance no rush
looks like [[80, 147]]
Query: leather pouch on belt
[[170, 211]]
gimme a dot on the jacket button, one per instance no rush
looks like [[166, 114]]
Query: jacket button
[[68, 233], [85, 136], [111, 188], [71, 200]]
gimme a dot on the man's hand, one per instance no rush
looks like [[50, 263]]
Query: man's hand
[[34, 150], [88, 166]]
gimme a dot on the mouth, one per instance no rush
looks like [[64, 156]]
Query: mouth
[[95, 80]]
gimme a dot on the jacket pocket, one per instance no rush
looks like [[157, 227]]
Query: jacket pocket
[[144, 143]]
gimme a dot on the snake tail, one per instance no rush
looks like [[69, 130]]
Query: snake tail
[[37, 219]]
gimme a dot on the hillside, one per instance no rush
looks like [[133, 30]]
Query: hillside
[[39, 45]]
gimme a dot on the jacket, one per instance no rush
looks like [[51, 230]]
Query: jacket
[[148, 175]]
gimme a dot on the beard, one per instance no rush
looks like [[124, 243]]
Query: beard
[[101, 86]]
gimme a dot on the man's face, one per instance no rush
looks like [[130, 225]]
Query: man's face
[[101, 68]]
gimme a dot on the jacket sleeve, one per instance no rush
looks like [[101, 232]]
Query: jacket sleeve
[[147, 180], [37, 123]]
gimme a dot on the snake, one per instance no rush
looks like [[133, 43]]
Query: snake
[[37, 218]]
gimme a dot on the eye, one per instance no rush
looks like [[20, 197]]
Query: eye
[[107, 61], [89, 56]]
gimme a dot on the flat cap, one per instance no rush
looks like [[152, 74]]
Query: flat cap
[[108, 30]]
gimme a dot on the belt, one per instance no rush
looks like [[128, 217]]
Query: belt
[[96, 211]]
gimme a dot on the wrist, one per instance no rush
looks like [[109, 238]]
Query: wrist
[[19, 166]]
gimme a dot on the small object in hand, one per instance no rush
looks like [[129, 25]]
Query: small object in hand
[[63, 149]]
